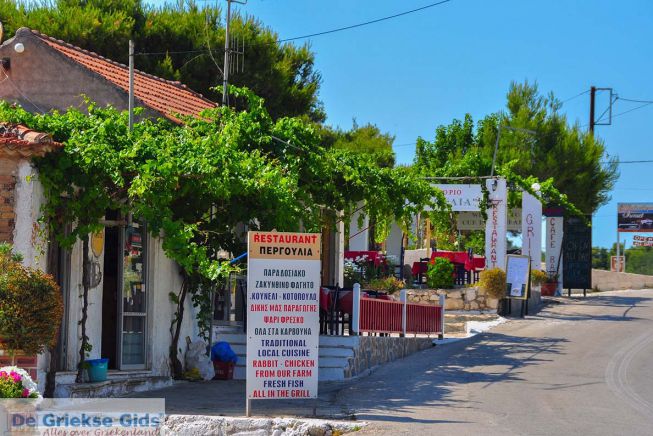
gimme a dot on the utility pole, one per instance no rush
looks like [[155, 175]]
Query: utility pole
[[225, 71], [131, 85], [592, 103]]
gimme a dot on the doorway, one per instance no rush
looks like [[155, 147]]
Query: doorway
[[110, 295]]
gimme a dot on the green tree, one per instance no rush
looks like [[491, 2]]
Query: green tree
[[178, 36], [574, 160], [367, 139], [197, 182]]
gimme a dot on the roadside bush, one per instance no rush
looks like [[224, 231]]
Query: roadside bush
[[493, 282], [31, 306], [440, 273]]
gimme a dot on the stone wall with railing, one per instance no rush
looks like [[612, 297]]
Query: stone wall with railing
[[471, 298]]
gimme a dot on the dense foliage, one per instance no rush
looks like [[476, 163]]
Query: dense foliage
[[639, 260], [31, 306], [493, 282], [366, 140], [184, 41], [440, 273], [197, 184], [568, 161]]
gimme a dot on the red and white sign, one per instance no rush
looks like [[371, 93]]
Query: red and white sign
[[642, 241], [495, 226], [617, 264], [283, 285]]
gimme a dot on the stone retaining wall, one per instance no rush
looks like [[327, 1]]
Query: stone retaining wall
[[372, 351], [457, 299]]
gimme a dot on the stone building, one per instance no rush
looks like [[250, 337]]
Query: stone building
[[129, 311]]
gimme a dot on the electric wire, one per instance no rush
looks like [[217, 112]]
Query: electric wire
[[311, 35], [366, 23], [575, 96]]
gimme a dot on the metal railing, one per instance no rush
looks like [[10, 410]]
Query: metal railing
[[387, 317]]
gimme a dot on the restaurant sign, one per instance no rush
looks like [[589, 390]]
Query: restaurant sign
[[462, 197], [283, 284], [475, 221], [635, 217]]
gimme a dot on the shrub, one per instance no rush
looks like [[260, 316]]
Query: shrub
[[389, 284], [31, 307], [538, 277], [440, 273], [493, 282], [16, 383]]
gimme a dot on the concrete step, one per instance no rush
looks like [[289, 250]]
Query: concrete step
[[455, 327], [113, 387]]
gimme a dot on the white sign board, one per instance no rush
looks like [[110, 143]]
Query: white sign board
[[554, 232], [475, 221], [517, 276], [495, 226], [283, 288], [531, 232], [462, 197]]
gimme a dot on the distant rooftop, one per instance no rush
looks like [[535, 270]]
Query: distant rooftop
[[165, 96]]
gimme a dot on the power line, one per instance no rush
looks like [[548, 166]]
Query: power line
[[635, 101], [366, 23], [575, 96], [633, 109], [310, 35]]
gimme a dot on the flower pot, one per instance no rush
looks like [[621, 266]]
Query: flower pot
[[549, 289]]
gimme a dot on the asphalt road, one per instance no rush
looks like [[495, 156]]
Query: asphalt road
[[582, 367]]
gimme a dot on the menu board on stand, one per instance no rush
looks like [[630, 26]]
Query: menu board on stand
[[283, 284]]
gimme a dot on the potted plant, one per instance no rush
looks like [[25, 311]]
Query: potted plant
[[537, 278], [550, 285]]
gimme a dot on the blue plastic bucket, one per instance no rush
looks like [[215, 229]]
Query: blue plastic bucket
[[97, 369]]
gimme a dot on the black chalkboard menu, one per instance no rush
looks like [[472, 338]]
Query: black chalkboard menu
[[577, 253]]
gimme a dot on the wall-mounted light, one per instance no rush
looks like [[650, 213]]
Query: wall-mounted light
[[536, 187], [19, 47]]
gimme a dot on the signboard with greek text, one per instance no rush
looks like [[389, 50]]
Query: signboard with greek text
[[283, 284], [462, 197]]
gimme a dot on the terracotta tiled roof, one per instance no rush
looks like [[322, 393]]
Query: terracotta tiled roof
[[17, 140], [164, 96]]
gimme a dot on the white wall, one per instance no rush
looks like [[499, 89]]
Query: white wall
[[359, 237]]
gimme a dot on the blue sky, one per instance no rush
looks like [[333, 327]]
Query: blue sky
[[410, 74]]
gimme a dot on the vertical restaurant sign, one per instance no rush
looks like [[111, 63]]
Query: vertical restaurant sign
[[496, 224], [531, 231], [465, 198], [283, 286], [554, 229]]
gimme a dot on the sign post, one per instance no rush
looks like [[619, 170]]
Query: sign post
[[283, 286]]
